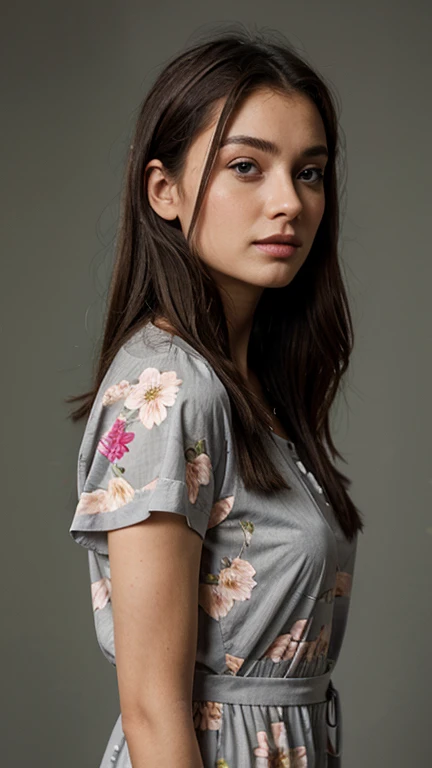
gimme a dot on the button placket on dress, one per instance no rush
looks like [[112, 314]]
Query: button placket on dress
[[116, 750], [115, 754], [333, 707], [308, 474]]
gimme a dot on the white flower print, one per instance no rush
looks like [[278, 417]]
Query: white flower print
[[153, 393]]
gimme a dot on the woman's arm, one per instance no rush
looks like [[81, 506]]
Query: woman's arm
[[154, 576]]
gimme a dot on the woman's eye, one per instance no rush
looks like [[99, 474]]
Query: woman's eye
[[242, 164], [320, 173]]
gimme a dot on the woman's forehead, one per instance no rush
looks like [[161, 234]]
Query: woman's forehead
[[296, 125]]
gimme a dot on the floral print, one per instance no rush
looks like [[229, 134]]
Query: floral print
[[342, 587], [153, 393], [145, 401], [198, 469], [233, 662], [100, 593], [343, 584], [207, 715], [144, 433], [220, 511], [290, 645], [234, 582], [285, 646], [113, 445], [118, 493], [117, 392], [148, 398], [281, 756]]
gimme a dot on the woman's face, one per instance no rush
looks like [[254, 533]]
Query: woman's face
[[253, 193]]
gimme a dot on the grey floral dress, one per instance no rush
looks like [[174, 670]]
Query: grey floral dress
[[276, 570]]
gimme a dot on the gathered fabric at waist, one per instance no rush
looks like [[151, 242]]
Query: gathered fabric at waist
[[276, 691]]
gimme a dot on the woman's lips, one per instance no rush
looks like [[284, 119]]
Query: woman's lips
[[277, 249]]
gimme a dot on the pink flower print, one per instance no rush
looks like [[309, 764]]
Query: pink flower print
[[234, 583], [151, 485], [343, 584], [323, 639], [116, 392], [237, 579], [113, 444], [285, 646], [101, 593], [207, 715], [198, 472], [298, 629], [118, 493], [312, 649], [281, 756], [214, 601], [276, 757], [320, 644], [92, 503], [220, 511], [154, 391], [262, 751], [233, 662], [276, 651]]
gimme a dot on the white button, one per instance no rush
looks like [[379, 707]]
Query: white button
[[314, 482], [115, 755]]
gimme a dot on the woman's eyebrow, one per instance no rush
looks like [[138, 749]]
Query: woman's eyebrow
[[269, 146]]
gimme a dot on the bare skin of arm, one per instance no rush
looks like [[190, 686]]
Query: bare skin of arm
[[154, 579]]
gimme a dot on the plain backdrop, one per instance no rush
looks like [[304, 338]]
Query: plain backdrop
[[73, 76]]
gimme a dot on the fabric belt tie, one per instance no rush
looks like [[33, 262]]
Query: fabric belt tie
[[275, 691]]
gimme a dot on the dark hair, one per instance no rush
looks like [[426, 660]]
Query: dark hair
[[302, 333]]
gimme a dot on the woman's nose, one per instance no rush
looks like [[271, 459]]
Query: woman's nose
[[282, 197]]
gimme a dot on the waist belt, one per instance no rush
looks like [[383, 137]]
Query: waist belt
[[275, 691]]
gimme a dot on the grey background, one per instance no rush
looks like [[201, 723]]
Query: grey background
[[72, 78]]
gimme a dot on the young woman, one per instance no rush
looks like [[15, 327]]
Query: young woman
[[227, 334]]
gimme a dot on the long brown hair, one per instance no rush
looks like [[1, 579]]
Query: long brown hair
[[302, 333]]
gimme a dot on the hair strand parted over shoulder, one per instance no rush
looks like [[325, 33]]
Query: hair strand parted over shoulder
[[302, 334]]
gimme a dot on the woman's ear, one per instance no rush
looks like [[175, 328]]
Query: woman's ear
[[161, 191]]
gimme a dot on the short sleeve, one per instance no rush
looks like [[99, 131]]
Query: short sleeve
[[159, 444]]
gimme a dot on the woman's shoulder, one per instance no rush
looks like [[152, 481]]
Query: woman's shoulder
[[153, 351], [153, 370], [159, 430]]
